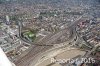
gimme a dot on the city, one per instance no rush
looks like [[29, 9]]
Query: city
[[50, 33]]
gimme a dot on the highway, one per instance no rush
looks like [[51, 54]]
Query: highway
[[37, 49]]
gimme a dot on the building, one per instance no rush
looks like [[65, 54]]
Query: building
[[7, 20]]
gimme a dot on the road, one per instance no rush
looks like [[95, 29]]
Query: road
[[38, 49]]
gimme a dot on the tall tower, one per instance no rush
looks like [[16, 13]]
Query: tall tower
[[7, 19], [4, 61]]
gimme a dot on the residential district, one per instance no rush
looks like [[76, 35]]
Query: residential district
[[50, 32]]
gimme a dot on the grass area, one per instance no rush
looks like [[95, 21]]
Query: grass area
[[30, 35]]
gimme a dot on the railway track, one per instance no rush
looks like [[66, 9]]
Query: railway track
[[40, 47]]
